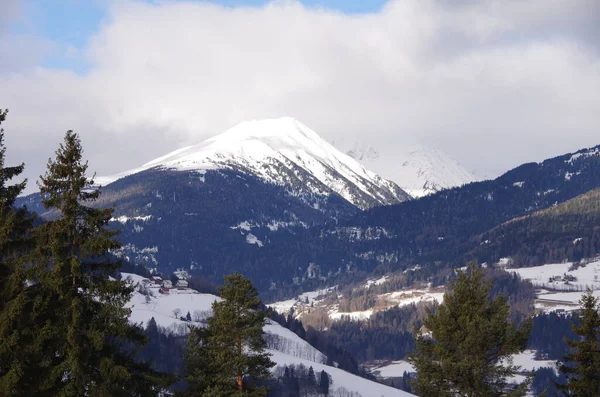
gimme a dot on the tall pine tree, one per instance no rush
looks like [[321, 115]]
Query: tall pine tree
[[94, 343], [16, 353], [464, 345], [199, 369], [582, 366], [222, 359]]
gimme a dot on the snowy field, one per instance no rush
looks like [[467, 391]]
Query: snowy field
[[526, 360], [393, 369], [342, 379], [561, 285], [311, 298], [286, 347]]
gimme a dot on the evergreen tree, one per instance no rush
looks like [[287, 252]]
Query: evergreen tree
[[94, 343], [311, 376], [462, 350], [199, 368], [221, 359], [17, 357], [324, 383], [582, 366]]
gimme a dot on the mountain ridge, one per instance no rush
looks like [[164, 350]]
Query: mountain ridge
[[285, 152]]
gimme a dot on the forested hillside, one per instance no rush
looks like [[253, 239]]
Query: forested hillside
[[566, 232]]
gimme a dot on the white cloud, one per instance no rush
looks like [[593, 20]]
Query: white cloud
[[493, 83]]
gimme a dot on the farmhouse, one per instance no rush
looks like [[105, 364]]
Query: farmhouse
[[182, 284]]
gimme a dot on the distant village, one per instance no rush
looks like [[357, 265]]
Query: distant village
[[179, 282]]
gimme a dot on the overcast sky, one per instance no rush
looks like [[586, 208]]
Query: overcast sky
[[492, 83]]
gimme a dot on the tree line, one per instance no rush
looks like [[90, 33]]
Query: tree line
[[64, 327], [464, 347]]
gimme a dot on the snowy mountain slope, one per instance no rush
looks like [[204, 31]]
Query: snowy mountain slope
[[342, 379], [286, 347], [417, 169], [285, 152]]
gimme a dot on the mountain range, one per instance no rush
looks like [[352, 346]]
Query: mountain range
[[275, 201]]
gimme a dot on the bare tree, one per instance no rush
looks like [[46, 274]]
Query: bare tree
[[176, 312]]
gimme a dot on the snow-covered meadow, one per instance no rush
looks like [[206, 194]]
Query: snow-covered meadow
[[559, 286], [285, 347]]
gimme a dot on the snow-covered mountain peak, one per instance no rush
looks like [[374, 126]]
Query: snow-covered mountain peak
[[284, 128], [260, 139], [427, 170], [285, 152], [417, 169]]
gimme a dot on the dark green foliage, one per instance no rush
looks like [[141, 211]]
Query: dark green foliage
[[199, 373], [387, 334], [164, 349], [298, 381], [545, 380], [565, 232], [228, 356], [582, 365], [17, 354], [461, 347], [547, 335], [324, 383], [94, 345]]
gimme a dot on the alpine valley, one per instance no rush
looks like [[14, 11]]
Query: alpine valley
[[275, 201], [352, 254]]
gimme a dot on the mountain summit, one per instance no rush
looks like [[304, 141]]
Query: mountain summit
[[283, 152], [419, 170]]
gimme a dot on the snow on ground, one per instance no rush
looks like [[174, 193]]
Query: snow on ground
[[410, 296], [245, 225], [560, 301], [315, 300], [310, 298], [394, 369], [124, 219], [379, 281], [283, 307], [286, 347], [252, 239], [585, 275], [341, 378], [356, 316], [526, 360], [558, 287], [161, 306], [392, 299], [285, 341]]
